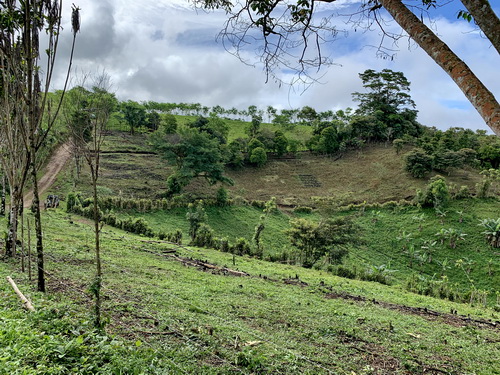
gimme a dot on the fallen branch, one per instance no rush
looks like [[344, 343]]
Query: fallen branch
[[27, 304]]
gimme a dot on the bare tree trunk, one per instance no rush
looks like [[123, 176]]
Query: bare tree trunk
[[29, 249], [10, 245], [21, 209], [35, 208], [4, 194], [480, 97], [98, 280], [486, 19]]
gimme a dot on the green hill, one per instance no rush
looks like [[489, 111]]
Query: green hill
[[179, 309]]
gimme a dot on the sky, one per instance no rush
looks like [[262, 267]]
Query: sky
[[166, 51]]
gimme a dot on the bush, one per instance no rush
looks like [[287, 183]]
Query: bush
[[74, 199], [241, 247], [223, 245], [435, 195], [258, 156], [418, 163], [222, 197], [204, 237], [302, 210]]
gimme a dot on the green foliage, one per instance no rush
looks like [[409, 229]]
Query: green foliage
[[439, 288], [388, 106], [153, 121], [196, 216], [492, 231], [222, 197], [398, 144], [204, 236], [169, 124], [280, 143], [241, 247], [258, 156], [134, 114], [174, 237], [325, 239], [193, 154], [418, 163], [436, 194]]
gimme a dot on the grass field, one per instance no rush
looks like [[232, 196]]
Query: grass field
[[184, 310], [171, 317]]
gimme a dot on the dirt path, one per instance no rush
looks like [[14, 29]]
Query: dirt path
[[56, 163]]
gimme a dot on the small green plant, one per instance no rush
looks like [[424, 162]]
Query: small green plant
[[492, 231], [452, 235]]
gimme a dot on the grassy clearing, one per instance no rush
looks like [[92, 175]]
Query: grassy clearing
[[188, 320]]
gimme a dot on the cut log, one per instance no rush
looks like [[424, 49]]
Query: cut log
[[26, 302]]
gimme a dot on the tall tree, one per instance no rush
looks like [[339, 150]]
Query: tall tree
[[388, 104], [94, 107], [25, 100], [290, 30], [134, 113]]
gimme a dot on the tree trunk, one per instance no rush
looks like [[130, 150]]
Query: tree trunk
[[4, 194], [480, 97], [10, 245], [98, 280], [486, 19], [35, 208]]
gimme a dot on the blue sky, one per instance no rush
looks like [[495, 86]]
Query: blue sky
[[164, 50]]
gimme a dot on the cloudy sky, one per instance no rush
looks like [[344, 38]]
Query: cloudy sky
[[166, 51]]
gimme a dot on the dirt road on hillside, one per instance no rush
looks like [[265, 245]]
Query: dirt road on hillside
[[57, 161]]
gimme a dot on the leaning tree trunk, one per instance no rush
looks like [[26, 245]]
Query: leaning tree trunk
[[486, 19], [480, 97]]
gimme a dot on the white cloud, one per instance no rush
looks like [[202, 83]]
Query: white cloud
[[165, 51]]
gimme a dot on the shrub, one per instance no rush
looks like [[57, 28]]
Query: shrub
[[241, 247], [436, 194], [221, 198], [196, 215], [74, 199], [174, 237], [492, 231], [204, 236], [223, 245], [303, 210], [418, 163], [258, 156]]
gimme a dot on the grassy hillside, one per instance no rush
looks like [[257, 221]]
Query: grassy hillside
[[374, 174], [185, 310], [169, 314]]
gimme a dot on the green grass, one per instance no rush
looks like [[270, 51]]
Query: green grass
[[221, 324]]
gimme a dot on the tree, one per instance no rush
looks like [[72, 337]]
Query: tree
[[96, 106], [134, 113], [193, 154], [26, 117], [153, 120], [388, 104], [258, 156], [326, 238], [418, 163], [280, 143], [292, 33]]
